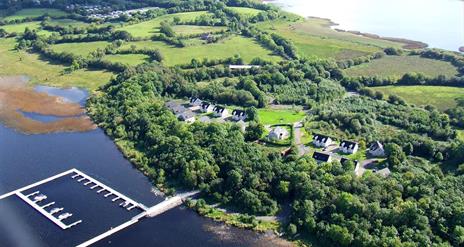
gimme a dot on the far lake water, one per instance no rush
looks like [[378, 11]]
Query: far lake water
[[439, 23], [25, 159]]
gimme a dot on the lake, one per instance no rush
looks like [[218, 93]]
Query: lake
[[25, 159], [439, 23]]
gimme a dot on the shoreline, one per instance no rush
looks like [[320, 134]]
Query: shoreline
[[407, 43]]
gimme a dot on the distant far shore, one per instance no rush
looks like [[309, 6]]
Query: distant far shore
[[407, 43]]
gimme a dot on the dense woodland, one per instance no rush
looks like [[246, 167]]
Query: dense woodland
[[417, 206], [420, 204]]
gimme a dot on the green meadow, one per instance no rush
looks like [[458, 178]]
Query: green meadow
[[44, 72], [19, 28], [148, 28], [274, 116], [68, 22], [313, 37], [245, 47], [247, 12], [397, 66], [439, 96], [84, 48], [36, 12], [191, 29], [129, 59]]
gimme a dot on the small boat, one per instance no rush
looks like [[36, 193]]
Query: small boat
[[40, 197], [124, 204], [64, 216], [55, 210]]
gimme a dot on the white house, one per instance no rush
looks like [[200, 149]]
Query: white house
[[220, 111], [376, 149], [195, 101], [322, 141], [238, 115], [322, 157], [188, 117], [349, 147], [279, 133], [206, 107]]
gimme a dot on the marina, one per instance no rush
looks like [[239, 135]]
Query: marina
[[57, 216]]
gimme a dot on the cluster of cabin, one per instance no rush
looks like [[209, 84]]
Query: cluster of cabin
[[376, 149], [187, 114]]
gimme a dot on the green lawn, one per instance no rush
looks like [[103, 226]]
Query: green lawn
[[313, 37], [397, 66], [43, 72], [25, 13], [247, 48], [246, 12], [129, 59], [272, 116], [148, 28], [191, 29], [438, 96], [81, 48]]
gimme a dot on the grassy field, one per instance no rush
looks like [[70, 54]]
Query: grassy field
[[25, 13], [313, 37], [272, 116], [129, 59], [397, 66], [43, 72], [245, 47], [19, 28], [191, 29], [438, 96], [246, 12], [151, 27], [68, 22], [84, 48]]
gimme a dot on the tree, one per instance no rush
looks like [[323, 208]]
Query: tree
[[458, 235], [292, 229], [408, 149], [395, 155], [167, 29], [254, 131], [283, 188], [252, 114], [3, 33]]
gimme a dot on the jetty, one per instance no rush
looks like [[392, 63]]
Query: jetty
[[106, 191]]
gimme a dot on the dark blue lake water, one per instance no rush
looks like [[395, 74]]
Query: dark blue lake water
[[25, 159]]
